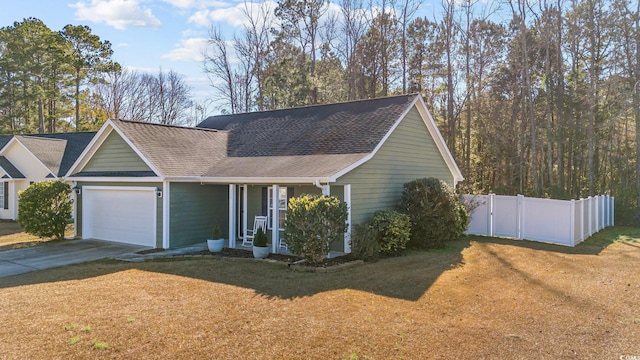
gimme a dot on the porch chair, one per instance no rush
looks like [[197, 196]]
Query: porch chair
[[258, 222]]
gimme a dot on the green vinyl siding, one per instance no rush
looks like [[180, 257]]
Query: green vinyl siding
[[78, 204], [115, 155], [194, 210], [409, 153]]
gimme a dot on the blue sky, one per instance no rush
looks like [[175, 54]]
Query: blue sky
[[145, 34]]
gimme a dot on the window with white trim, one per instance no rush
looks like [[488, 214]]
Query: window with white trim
[[282, 206]]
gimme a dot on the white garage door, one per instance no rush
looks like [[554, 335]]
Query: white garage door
[[122, 214]]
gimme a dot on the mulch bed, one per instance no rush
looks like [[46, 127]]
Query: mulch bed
[[240, 253]]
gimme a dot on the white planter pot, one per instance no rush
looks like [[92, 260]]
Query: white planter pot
[[260, 252], [215, 245]]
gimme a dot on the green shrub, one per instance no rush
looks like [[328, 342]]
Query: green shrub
[[215, 233], [392, 231], [435, 212], [44, 208], [364, 245], [313, 223], [260, 239]]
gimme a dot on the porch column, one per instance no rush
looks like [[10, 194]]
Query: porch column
[[244, 211], [347, 235], [232, 216], [75, 207], [166, 207], [274, 219]]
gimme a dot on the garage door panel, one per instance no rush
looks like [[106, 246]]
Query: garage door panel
[[122, 214]]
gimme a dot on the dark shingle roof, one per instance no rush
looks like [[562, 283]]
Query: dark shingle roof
[[343, 128], [10, 169], [4, 139]]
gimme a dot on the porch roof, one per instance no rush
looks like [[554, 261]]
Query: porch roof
[[304, 166]]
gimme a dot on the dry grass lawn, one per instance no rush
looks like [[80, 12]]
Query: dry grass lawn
[[12, 236], [480, 298]]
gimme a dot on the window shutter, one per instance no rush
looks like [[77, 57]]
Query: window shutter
[[265, 205], [6, 194], [289, 194]]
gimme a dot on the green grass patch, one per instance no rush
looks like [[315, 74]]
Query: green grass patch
[[70, 327], [87, 329], [100, 345], [613, 235], [75, 340]]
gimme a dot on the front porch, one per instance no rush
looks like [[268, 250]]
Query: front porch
[[246, 201]]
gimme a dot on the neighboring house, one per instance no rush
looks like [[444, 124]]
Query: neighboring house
[[166, 186], [25, 159]]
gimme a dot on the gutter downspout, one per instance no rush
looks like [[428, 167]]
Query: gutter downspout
[[324, 188]]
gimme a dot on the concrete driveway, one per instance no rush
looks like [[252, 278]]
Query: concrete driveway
[[49, 255]]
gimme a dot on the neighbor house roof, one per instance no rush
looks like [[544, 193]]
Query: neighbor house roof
[[4, 139], [10, 169], [56, 151]]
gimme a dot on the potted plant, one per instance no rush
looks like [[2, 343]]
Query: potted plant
[[260, 249], [216, 243]]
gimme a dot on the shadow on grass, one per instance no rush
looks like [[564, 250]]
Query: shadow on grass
[[406, 277]]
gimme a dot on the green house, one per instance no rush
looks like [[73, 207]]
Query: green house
[[167, 186]]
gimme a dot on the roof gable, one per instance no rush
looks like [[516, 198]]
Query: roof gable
[[76, 142], [152, 150], [48, 151], [342, 128]]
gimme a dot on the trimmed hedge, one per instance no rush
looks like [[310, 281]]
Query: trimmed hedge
[[313, 223], [44, 208], [435, 212], [392, 231]]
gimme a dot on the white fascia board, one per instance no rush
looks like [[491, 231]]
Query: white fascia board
[[335, 177], [439, 140], [418, 102], [97, 141], [16, 140], [93, 146], [183, 178], [128, 179], [262, 180], [136, 150]]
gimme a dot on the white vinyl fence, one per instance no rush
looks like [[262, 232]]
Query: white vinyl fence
[[564, 222]]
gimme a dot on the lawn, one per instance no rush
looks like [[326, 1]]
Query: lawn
[[479, 298], [12, 236]]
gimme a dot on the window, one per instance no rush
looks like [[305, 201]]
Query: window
[[2, 195], [282, 206]]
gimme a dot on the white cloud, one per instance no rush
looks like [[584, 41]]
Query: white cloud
[[200, 4], [234, 16], [122, 45], [188, 50], [121, 14]]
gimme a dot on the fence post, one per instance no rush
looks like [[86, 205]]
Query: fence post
[[582, 217], [590, 219], [613, 211], [491, 219], [520, 216], [572, 219]]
